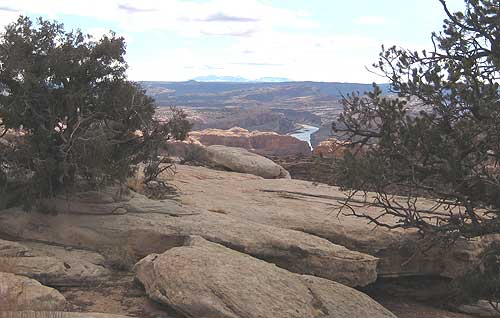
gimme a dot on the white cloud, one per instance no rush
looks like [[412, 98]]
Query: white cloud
[[371, 20], [264, 40], [217, 17], [295, 56]]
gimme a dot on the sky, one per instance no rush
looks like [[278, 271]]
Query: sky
[[313, 40]]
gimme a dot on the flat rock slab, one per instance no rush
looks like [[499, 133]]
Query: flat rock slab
[[23, 293], [204, 279], [54, 271], [64, 253], [157, 231], [314, 209], [53, 265], [111, 201]]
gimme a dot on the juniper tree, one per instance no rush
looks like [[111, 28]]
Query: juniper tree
[[68, 114], [450, 150]]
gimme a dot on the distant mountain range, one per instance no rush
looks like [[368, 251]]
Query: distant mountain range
[[239, 79]]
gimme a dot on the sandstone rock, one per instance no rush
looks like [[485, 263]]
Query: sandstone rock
[[314, 209], [12, 249], [54, 271], [241, 160], [294, 224], [64, 253], [112, 200], [205, 279], [55, 265], [338, 300], [23, 293], [156, 231], [264, 143]]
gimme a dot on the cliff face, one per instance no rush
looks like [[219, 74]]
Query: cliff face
[[264, 143]]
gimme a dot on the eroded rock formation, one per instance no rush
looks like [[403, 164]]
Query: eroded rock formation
[[264, 143], [233, 244]]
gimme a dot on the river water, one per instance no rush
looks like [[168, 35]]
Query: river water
[[304, 133]]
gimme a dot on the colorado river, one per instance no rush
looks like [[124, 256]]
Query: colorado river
[[304, 133]]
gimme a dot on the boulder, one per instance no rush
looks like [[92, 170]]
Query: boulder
[[204, 279], [241, 160], [23, 293], [263, 143]]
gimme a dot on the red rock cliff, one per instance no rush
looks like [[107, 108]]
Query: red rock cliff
[[264, 143]]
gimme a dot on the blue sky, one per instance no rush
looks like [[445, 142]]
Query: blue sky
[[319, 40]]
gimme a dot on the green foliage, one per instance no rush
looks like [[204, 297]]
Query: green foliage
[[449, 149], [68, 115]]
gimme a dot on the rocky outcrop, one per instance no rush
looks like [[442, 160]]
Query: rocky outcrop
[[241, 160], [54, 271], [142, 231], [295, 225], [23, 293], [314, 209], [54, 266], [264, 143], [203, 279]]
